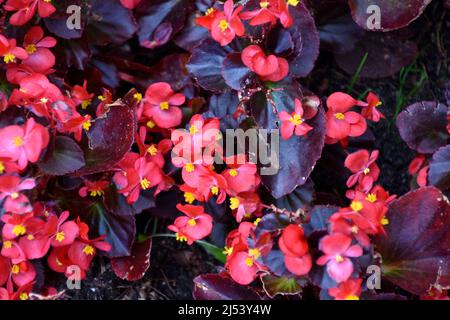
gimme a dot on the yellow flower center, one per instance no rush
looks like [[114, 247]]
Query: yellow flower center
[[193, 129], [233, 172], [14, 195], [59, 263], [150, 124], [60, 236], [138, 97], [255, 253], [87, 125], [228, 251], [379, 103], [31, 48], [19, 230], [249, 262], [351, 297], [17, 142], [192, 222], [209, 11], [293, 3], [7, 244], [189, 167], [339, 116], [355, 229], [257, 221], [23, 296], [88, 250], [371, 197], [95, 193], [234, 203], [366, 171], [2, 167], [384, 221], [15, 269], [9, 58], [164, 105], [101, 98], [223, 25], [145, 184], [296, 119], [356, 206], [30, 237], [215, 190], [152, 150], [339, 258], [85, 103], [264, 4], [180, 238], [43, 100], [189, 197]]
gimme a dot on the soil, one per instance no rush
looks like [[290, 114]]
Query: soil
[[174, 265]]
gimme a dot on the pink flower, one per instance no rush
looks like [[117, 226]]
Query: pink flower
[[365, 170], [348, 290], [227, 24], [40, 58], [294, 122], [23, 143], [25, 10], [370, 111], [10, 188], [195, 225], [161, 104], [337, 249], [10, 52], [268, 68]]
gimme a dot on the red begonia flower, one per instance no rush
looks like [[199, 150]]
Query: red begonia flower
[[207, 19], [370, 111], [81, 96], [337, 249], [416, 164], [294, 122], [211, 184], [349, 228], [40, 58], [269, 11], [20, 274], [18, 225], [342, 123], [93, 188], [365, 170], [241, 177], [23, 143], [295, 248], [243, 266], [9, 51], [422, 176], [195, 225], [268, 68], [245, 205], [227, 24], [10, 190], [25, 10], [348, 290], [161, 104], [152, 152], [130, 4]]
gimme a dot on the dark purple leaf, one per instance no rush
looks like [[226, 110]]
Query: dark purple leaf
[[274, 285], [439, 172], [423, 126], [340, 35], [392, 14], [279, 42], [300, 198], [109, 139], [385, 57], [271, 222], [235, 73], [415, 252], [191, 35], [63, 156], [224, 106], [57, 23], [73, 53], [319, 218], [133, 268], [151, 14], [205, 65], [220, 287]]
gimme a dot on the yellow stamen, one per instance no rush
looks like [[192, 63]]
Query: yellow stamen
[[23, 296], [339, 116], [384, 221], [379, 103], [249, 262], [234, 203], [180, 237], [209, 11], [296, 119], [138, 97], [189, 197], [189, 167], [15, 269], [223, 25], [59, 263], [255, 253], [371, 197], [87, 125], [95, 193], [257, 221], [215, 190], [2, 167], [264, 4], [356, 206], [7, 244], [228, 251], [366, 171], [339, 258], [43, 100], [30, 237], [152, 150], [164, 105], [233, 172], [85, 103], [145, 184], [19, 230], [101, 98], [88, 250], [351, 297], [31, 48], [9, 58], [60, 236], [193, 129], [355, 229], [192, 222], [17, 141], [150, 124], [14, 195]]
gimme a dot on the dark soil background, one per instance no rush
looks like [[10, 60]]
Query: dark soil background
[[174, 265]]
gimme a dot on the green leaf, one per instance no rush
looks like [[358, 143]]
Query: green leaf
[[213, 250]]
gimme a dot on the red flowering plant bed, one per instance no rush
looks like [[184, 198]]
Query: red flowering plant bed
[[120, 123]]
